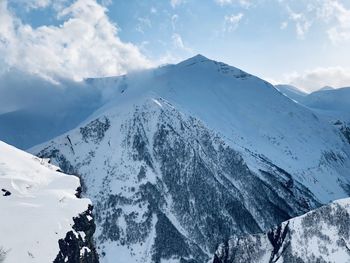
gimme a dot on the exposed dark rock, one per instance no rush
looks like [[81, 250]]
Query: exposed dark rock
[[95, 130], [168, 242], [78, 248], [5, 192], [319, 236]]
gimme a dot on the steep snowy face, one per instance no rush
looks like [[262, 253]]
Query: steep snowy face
[[165, 187], [39, 208], [322, 235], [250, 114]]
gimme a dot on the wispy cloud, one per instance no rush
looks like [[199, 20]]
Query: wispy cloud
[[332, 14], [232, 21], [143, 24], [178, 42], [174, 19], [336, 11], [243, 3], [302, 23], [40, 4]]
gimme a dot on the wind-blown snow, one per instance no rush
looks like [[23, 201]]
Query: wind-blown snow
[[40, 209]]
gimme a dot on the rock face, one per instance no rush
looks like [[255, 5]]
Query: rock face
[[344, 129], [42, 219], [78, 246], [189, 155], [322, 235]]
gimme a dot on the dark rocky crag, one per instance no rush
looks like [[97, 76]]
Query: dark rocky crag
[[78, 246]]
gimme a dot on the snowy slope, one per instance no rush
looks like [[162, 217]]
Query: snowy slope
[[198, 152], [250, 113], [38, 209], [333, 103], [291, 92], [321, 235]]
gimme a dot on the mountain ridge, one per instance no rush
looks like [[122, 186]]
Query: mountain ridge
[[175, 139]]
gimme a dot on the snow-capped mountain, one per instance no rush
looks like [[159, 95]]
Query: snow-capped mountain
[[42, 220], [188, 155], [322, 235], [333, 103], [328, 103]]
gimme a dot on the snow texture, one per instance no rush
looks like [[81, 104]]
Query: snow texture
[[37, 206]]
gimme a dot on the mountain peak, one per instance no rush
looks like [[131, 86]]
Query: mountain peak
[[199, 56], [195, 59]]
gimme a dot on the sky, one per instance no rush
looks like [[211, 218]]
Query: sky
[[305, 43]]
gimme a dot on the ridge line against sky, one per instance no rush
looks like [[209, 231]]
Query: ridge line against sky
[[303, 43]]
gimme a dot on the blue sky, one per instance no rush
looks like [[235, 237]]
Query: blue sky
[[302, 42]]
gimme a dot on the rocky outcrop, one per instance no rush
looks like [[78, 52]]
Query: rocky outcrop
[[78, 246]]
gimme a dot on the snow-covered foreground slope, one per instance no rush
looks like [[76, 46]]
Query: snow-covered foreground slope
[[322, 235], [188, 155], [37, 205]]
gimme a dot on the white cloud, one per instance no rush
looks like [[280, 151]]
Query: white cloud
[[332, 14], [232, 21], [302, 23], [315, 79], [336, 11], [85, 45]]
